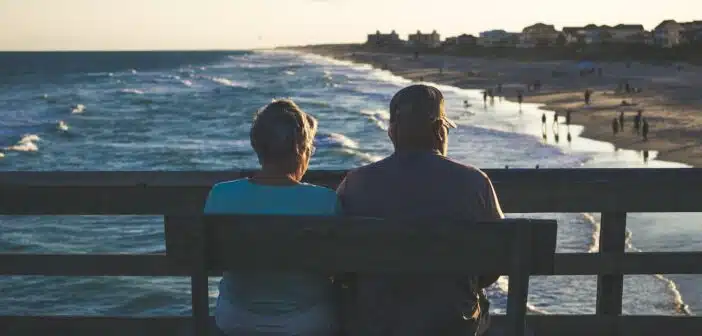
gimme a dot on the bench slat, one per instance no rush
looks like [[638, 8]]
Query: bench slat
[[330, 244], [542, 325]]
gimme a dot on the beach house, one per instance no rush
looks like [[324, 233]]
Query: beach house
[[418, 39], [460, 41], [627, 33], [496, 37], [692, 32], [378, 39], [668, 34], [574, 35], [597, 34], [539, 34]]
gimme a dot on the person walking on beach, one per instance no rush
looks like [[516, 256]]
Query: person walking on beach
[[554, 126], [568, 111], [621, 120], [637, 121], [543, 122], [615, 126], [520, 97], [588, 95], [644, 130], [418, 180], [485, 96]]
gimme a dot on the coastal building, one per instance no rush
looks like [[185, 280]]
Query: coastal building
[[668, 34], [692, 36], [461, 40], [574, 35], [597, 34], [418, 39], [539, 34], [692, 32], [627, 33], [379, 40], [495, 37]]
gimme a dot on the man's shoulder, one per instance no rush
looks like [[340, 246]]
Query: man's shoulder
[[463, 169], [441, 166]]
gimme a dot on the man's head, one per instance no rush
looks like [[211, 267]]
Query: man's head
[[418, 120]]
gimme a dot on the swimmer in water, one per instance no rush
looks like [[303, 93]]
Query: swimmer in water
[[62, 126]]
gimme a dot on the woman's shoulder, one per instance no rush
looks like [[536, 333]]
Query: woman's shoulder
[[317, 190], [231, 185]]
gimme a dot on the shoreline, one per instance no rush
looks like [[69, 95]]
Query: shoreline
[[669, 102]]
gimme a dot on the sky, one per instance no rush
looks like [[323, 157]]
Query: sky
[[246, 24]]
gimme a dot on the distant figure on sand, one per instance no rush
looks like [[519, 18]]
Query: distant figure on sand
[[645, 155], [568, 116], [637, 121], [543, 119], [621, 120], [615, 126], [555, 122], [588, 95], [520, 97], [570, 138], [644, 131], [485, 95]]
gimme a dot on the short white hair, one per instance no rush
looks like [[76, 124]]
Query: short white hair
[[282, 131]]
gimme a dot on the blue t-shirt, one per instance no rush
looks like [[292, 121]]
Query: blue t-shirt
[[267, 302]]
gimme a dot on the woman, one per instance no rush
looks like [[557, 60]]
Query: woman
[[282, 136]]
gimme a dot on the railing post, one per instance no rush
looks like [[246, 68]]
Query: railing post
[[610, 287]]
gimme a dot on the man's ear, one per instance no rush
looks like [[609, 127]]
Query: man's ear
[[440, 131], [392, 132]]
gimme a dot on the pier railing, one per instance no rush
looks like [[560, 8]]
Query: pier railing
[[611, 192]]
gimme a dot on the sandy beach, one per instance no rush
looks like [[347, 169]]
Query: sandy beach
[[670, 97]]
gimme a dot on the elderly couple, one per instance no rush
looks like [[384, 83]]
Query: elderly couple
[[416, 180]]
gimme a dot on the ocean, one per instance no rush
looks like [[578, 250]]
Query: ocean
[[192, 111]]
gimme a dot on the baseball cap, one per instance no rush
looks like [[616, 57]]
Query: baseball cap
[[419, 104]]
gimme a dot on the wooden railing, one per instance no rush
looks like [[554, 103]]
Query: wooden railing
[[612, 192]]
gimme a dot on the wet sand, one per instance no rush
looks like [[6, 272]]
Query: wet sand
[[670, 98]]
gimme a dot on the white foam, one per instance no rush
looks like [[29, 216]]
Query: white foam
[[227, 82], [79, 108], [62, 126], [335, 140], [132, 91], [26, 144]]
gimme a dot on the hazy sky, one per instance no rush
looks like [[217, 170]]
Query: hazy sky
[[240, 24]]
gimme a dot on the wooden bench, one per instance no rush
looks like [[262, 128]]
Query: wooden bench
[[330, 245]]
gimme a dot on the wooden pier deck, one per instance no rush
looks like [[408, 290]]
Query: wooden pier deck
[[611, 192]]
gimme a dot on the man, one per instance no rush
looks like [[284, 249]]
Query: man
[[418, 180]]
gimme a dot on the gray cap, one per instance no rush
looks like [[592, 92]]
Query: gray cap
[[419, 104]]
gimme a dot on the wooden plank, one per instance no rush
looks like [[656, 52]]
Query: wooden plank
[[519, 190], [331, 244], [89, 265], [519, 280], [542, 325], [610, 288], [630, 263], [162, 265]]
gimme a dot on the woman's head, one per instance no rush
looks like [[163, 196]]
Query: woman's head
[[282, 135]]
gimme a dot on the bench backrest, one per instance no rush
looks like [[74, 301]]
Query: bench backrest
[[211, 244], [350, 244]]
